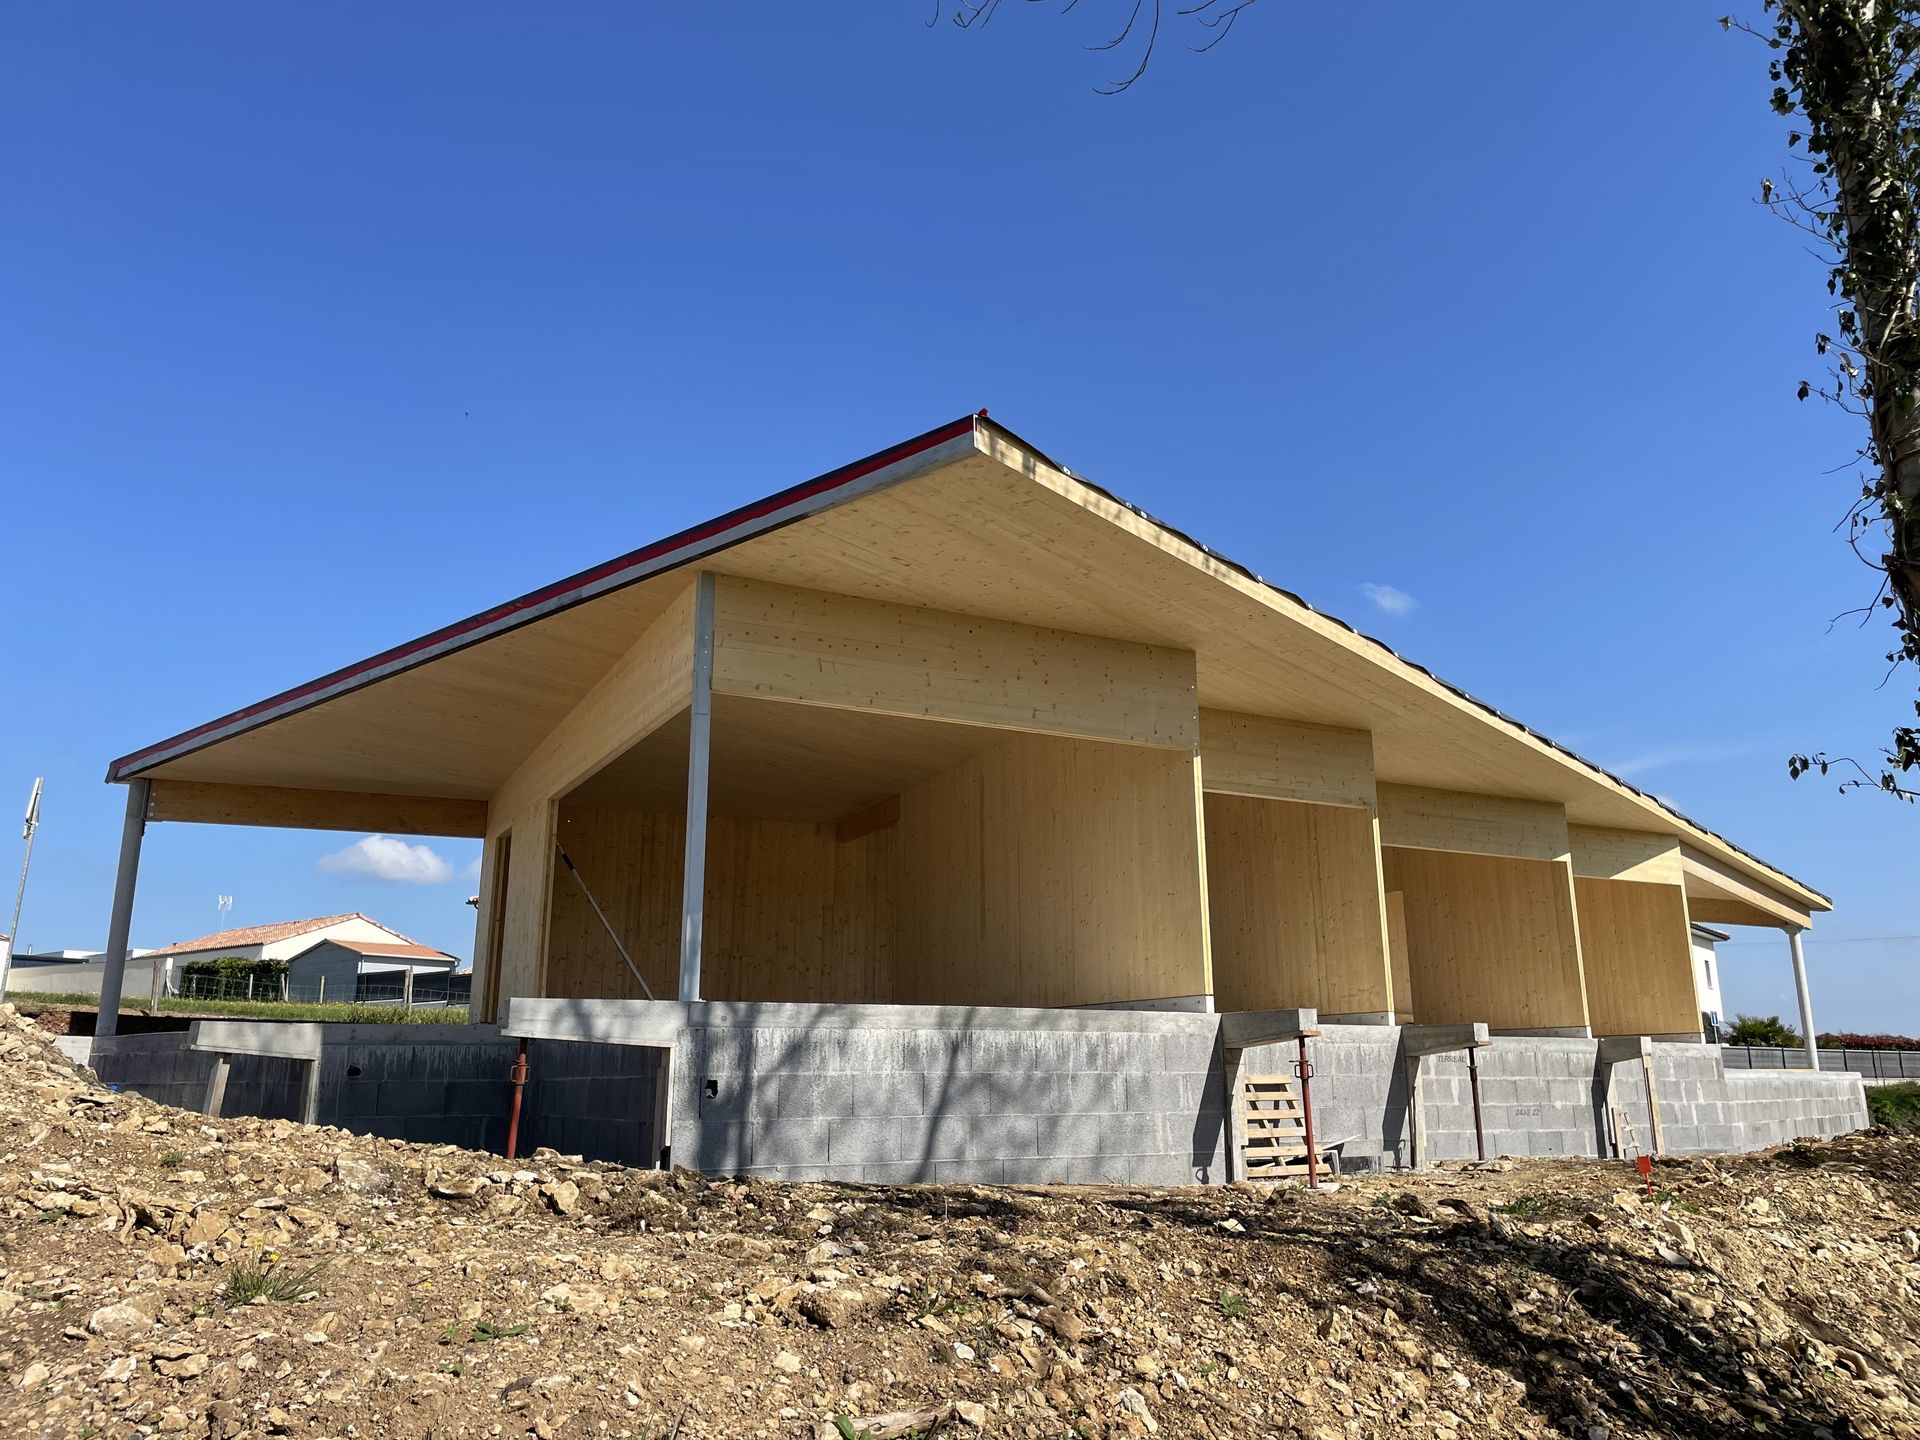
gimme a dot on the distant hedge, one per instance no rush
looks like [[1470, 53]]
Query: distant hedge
[[238, 967], [1847, 1040]]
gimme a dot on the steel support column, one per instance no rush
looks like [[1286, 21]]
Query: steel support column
[[114, 974]]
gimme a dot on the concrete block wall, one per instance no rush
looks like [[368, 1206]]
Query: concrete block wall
[[921, 1093], [435, 1084], [924, 1093], [592, 1100], [1548, 1097]]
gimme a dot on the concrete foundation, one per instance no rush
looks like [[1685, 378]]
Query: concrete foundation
[[1549, 1097], [932, 1093]]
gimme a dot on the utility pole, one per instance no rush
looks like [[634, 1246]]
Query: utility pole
[[20, 895]]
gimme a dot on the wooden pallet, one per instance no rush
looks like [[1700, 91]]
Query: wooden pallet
[[1276, 1145]]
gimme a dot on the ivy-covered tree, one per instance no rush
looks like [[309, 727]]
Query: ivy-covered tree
[[1848, 71]]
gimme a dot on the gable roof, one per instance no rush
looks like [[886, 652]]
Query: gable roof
[[408, 951], [965, 517], [267, 934]]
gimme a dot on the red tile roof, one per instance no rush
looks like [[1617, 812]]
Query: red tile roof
[[267, 934]]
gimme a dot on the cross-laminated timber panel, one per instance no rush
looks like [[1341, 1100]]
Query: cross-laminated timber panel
[[1295, 908], [791, 912], [1049, 871], [1638, 958], [1489, 938], [777, 642], [1419, 818]]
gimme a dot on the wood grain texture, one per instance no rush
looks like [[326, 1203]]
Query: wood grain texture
[[1416, 817], [776, 642], [1489, 938], [647, 685], [1047, 871], [201, 803], [1606, 854], [1405, 1010], [1286, 760], [790, 913], [1638, 957], [1293, 894], [1718, 894]]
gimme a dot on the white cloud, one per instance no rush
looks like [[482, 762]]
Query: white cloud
[[472, 869], [1389, 598], [381, 857]]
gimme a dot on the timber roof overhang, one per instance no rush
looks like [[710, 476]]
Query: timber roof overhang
[[965, 517]]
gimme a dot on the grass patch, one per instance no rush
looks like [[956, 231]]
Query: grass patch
[[483, 1330], [30, 1000], [1529, 1206], [1895, 1106], [248, 1280]]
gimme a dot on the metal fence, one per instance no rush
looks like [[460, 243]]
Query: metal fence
[[1873, 1064], [387, 991]]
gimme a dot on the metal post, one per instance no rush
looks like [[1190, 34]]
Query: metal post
[[693, 895], [1473, 1084], [132, 831], [20, 896], [1304, 1069], [1806, 1000], [323, 991]]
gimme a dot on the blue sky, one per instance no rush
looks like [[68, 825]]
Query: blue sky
[[325, 326]]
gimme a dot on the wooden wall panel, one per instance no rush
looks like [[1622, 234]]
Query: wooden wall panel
[[1489, 938], [523, 931], [806, 645], [1405, 1011], [1285, 760], [1047, 871], [1293, 894], [790, 914], [1473, 824], [1638, 955], [1608, 854]]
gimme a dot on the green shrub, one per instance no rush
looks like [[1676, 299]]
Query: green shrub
[[1895, 1106]]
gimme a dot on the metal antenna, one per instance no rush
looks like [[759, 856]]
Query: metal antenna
[[20, 895]]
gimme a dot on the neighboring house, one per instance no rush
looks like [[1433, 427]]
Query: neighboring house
[[1707, 978], [282, 940], [367, 970]]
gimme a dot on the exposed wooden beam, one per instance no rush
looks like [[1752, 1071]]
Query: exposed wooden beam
[[777, 642], [1417, 818], [1257, 755], [874, 818], [207, 804], [1719, 894], [1605, 854]]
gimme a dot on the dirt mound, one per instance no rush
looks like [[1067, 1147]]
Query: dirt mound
[[164, 1274]]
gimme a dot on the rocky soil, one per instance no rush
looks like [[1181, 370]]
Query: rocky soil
[[163, 1274]]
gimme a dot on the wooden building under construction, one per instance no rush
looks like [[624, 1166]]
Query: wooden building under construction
[[952, 726]]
